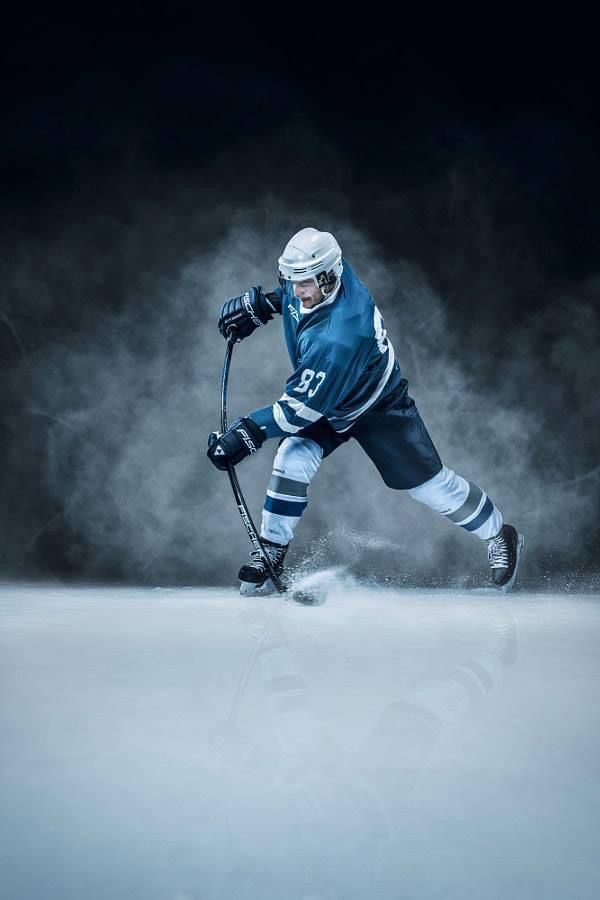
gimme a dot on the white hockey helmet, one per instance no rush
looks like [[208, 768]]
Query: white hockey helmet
[[312, 254]]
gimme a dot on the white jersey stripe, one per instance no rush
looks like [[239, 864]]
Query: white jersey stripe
[[374, 396], [283, 423], [301, 409]]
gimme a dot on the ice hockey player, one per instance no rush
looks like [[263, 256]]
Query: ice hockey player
[[346, 384]]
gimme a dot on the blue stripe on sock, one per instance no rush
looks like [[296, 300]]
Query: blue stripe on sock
[[285, 507], [474, 524]]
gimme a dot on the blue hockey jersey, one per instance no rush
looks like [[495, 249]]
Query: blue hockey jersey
[[342, 358]]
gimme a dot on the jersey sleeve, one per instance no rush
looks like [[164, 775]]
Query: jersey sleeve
[[324, 376]]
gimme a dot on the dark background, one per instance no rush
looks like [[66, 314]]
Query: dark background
[[155, 163]]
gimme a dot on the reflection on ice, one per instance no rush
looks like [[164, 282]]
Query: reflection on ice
[[193, 743]]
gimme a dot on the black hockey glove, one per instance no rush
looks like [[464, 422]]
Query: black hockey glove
[[243, 438], [246, 313]]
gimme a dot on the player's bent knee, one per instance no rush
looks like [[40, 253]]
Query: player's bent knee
[[298, 459]]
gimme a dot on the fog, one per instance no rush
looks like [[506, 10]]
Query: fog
[[113, 362]]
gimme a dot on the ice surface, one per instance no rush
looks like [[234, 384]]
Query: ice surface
[[192, 744]]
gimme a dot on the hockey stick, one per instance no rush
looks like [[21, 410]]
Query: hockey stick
[[235, 485]]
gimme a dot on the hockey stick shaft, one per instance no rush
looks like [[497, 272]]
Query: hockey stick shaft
[[233, 479]]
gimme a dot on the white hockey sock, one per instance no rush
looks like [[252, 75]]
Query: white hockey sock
[[461, 501], [296, 463]]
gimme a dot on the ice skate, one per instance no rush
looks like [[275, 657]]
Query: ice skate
[[254, 576], [504, 552]]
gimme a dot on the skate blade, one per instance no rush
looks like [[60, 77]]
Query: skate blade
[[248, 589], [507, 587]]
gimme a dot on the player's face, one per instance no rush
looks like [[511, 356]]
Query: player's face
[[308, 293]]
